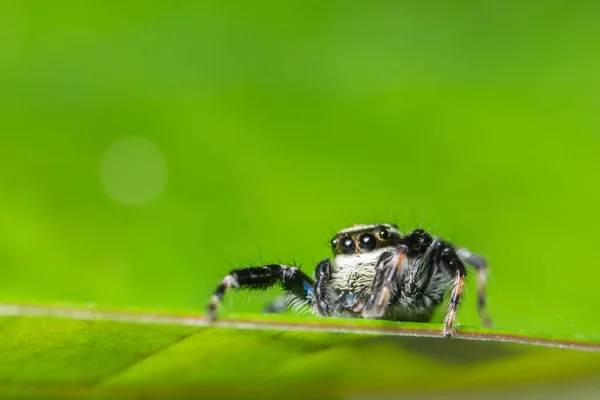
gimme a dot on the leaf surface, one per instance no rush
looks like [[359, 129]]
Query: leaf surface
[[53, 352]]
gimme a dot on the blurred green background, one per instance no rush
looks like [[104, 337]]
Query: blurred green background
[[145, 150]]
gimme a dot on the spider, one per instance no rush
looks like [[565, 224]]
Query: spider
[[377, 272]]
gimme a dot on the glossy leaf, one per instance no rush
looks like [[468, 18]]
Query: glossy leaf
[[69, 352]]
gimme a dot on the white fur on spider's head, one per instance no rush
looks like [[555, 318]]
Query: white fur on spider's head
[[367, 228]]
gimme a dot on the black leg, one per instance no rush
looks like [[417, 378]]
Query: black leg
[[481, 265], [277, 306], [386, 272], [445, 257], [291, 279], [322, 273]]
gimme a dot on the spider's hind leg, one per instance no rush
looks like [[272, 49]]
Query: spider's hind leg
[[291, 279], [276, 306], [480, 265], [445, 257]]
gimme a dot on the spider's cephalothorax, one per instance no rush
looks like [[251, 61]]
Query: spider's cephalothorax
[[377, 272]]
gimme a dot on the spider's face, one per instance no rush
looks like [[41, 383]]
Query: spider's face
[[365, 239]]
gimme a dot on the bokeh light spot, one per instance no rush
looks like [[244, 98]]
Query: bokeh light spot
[[133, 170]]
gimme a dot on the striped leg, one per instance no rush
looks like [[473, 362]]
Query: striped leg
[[322, 273], [457, 290], [481, 265], [291, 279], [277, 306], [447, 258], [387, 269]]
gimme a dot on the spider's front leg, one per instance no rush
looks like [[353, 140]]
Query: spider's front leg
[[386, 272], [291, 279], [320, 297], [323, 274]]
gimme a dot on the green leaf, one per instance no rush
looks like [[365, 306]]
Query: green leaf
[[57, 352]]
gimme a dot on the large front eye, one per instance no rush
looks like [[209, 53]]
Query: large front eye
[[368, 242], [348, 246]]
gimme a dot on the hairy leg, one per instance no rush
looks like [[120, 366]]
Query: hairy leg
[[480, 265], [277, 306], [445, 257], [291, 279], [387, 269], [323, 274]]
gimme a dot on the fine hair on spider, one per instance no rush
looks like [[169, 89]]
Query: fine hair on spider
[[377, 272]]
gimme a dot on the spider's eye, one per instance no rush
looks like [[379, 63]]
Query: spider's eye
[[368, 242], [348, 246], [334, 243], [384, 233]]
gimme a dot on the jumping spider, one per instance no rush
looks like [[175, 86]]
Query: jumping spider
[[377, 273]]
